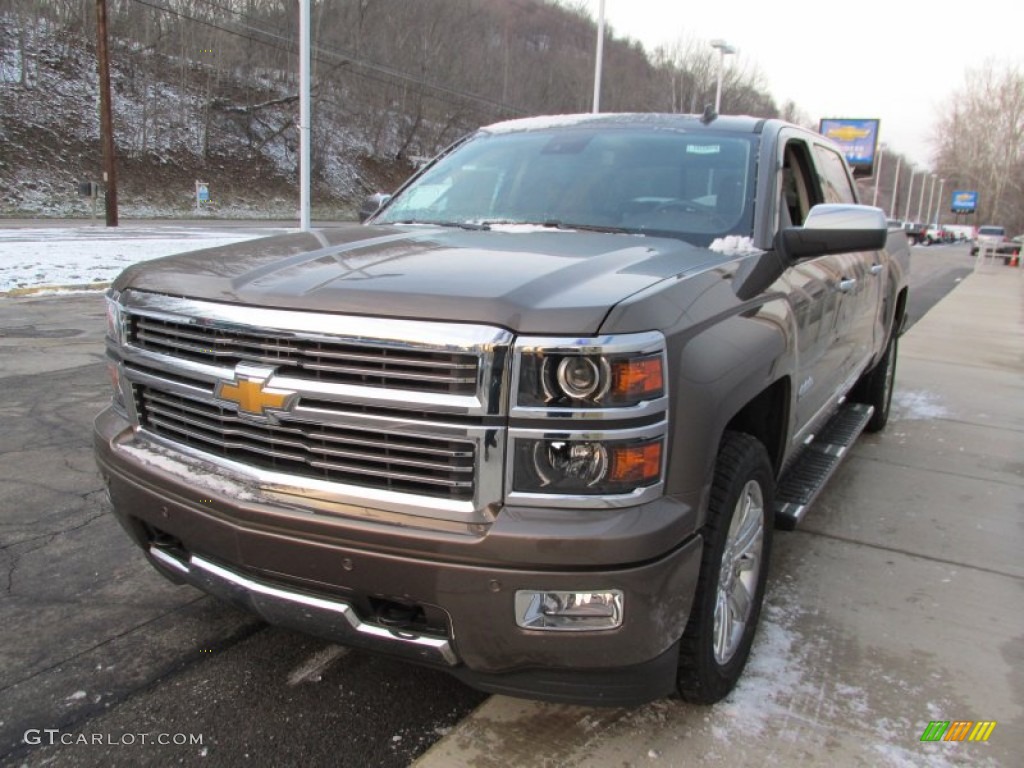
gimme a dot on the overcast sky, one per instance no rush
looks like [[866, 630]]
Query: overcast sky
[[897, 60]]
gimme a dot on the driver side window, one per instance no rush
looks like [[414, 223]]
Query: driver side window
[[799, 191]]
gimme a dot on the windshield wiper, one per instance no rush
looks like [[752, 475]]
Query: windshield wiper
[[555, 224], [456, 224]]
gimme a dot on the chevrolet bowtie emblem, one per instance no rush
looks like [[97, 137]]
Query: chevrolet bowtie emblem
[[249, 391]]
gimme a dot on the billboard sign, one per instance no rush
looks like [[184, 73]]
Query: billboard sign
[[964, 202], [857, 138]]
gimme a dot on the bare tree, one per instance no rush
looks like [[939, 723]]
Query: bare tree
[[979, 141]]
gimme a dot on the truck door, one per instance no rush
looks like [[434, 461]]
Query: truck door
[[814, 293], [862, 273]]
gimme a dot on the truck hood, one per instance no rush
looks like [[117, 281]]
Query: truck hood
[[527, 280]]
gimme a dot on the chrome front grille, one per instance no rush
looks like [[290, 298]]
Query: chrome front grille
[[328, 360], [385, 414], [401, 463]]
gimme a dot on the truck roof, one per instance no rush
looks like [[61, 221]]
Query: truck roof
[[733, 123]]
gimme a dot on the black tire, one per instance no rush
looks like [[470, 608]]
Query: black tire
[[709, 663], [876, 386]]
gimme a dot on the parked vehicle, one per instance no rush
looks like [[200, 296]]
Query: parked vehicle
[[915, 231], [992, 239], [534, 423], [960, 233], [937, 234]]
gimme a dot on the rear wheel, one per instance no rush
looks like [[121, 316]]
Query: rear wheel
[[737, 543], [876, 386]]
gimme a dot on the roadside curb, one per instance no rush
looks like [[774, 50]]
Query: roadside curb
[[35, 290]]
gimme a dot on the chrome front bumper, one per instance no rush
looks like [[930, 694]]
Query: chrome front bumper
[[331, 619]]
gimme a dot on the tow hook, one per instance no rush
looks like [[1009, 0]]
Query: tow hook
[[398, 616]]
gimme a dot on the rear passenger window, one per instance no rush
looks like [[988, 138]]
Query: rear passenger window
[[835, 181]]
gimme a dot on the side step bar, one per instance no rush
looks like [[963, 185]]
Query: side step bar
[[804, 480]]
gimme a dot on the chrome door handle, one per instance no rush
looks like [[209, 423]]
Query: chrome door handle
[[847, 285], [876, 269]]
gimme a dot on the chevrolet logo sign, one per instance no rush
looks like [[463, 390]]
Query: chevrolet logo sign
[[249, 391], [848, 133]]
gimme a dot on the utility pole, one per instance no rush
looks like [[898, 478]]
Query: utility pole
[[106, 115]]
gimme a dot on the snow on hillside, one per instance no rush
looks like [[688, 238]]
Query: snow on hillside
[[171, 130]]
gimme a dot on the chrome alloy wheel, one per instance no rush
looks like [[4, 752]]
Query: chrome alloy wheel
[[740, 571]]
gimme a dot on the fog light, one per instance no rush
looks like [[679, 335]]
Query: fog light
[[569, 611]]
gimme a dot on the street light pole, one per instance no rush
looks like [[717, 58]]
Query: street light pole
[[920, 202], [931, 197], [305, 117], [910, 192], [938, 202], [599, 58], [878, 173], [723, 48], [895, 187]]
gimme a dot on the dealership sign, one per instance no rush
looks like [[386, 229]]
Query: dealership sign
[[858, 139], [964, 202]]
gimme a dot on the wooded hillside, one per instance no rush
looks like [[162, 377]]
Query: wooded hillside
[[207, 89]]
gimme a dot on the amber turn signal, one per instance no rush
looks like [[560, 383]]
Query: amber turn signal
[[635, 464], [638, 378]]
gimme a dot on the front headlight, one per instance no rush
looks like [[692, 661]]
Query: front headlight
[[563, 389], [616, 372]]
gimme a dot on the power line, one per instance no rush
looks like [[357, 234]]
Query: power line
[[273, 39]]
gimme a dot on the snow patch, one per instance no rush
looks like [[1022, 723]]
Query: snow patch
[[78, 256], [774, 675], [910, 405], [542, 122], [734, 245], [524, 228], [191, 472]]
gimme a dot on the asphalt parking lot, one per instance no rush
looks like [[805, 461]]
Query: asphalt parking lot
[[93, 642], [899, 601]]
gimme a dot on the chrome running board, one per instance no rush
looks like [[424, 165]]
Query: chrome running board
[[806, 478]]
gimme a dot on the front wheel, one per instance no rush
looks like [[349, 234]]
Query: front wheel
[[737, 542]]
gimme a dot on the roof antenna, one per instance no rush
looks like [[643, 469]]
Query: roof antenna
[[709, 114]]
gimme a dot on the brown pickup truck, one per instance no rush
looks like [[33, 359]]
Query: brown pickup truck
[[535, 421]]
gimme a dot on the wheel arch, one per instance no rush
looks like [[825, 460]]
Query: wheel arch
[[766, 418]]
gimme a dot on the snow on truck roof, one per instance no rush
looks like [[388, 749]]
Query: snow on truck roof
[[741, 123]]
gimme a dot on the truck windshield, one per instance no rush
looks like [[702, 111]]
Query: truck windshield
[[992, 231], [694, 186]]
